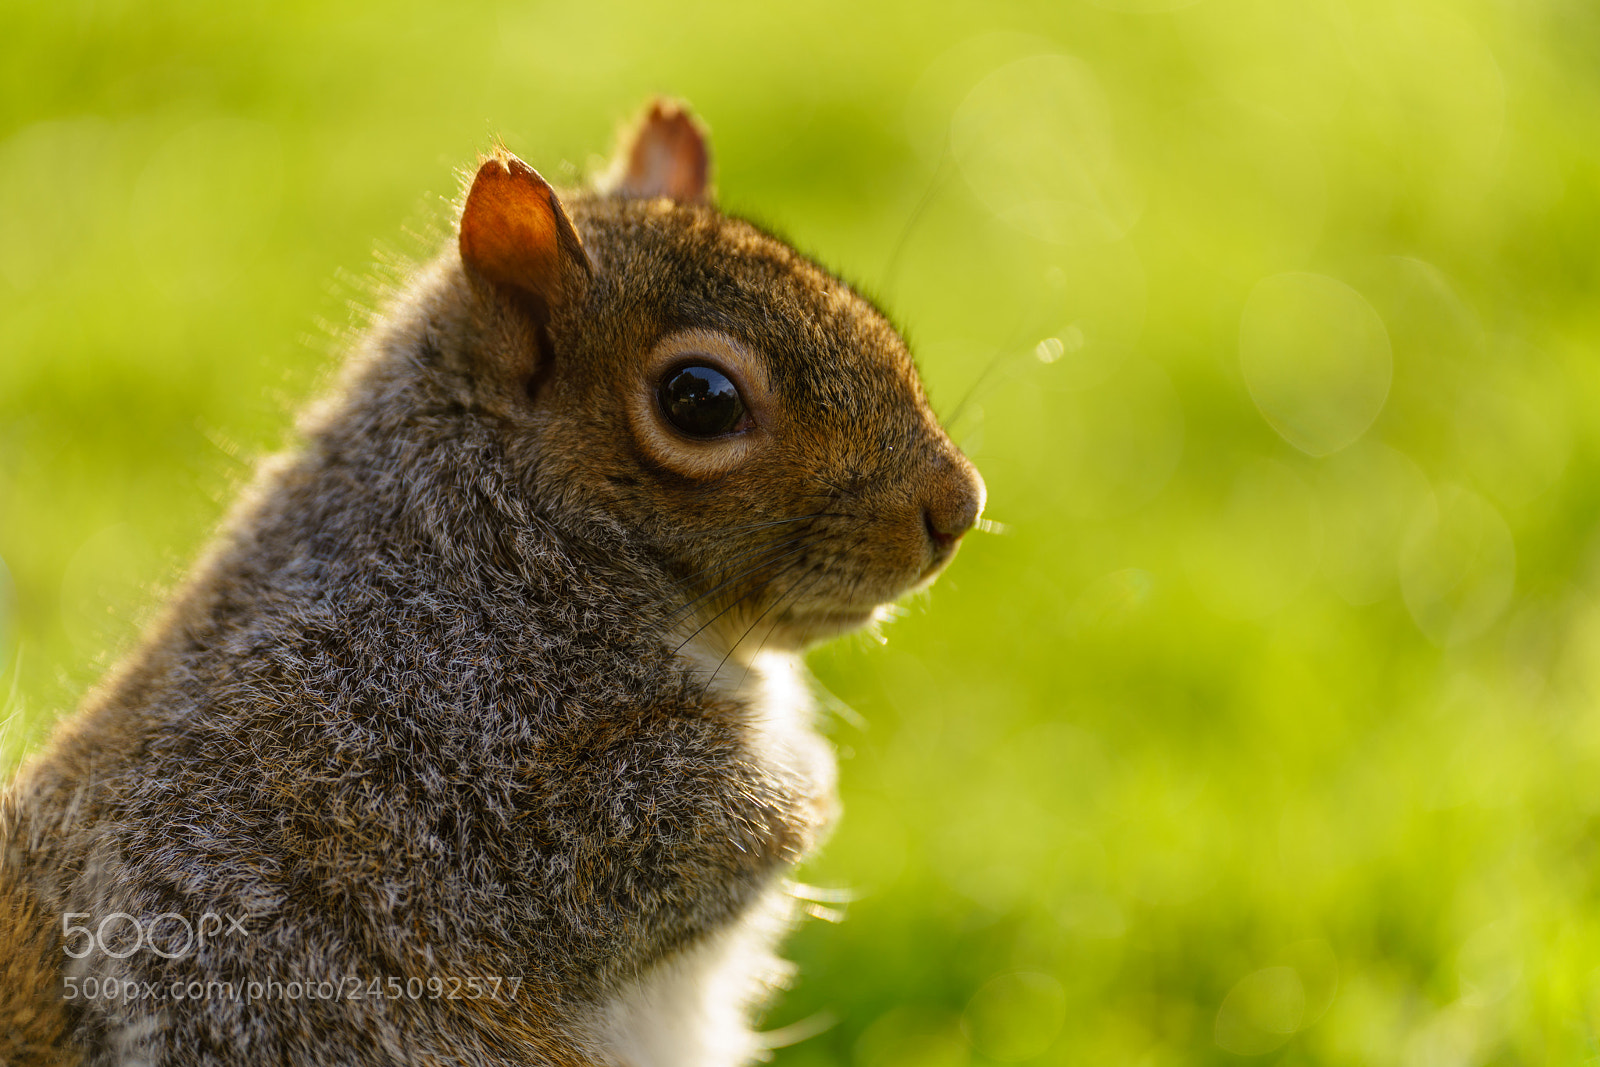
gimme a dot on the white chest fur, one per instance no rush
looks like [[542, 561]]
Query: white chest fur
[[692, 1010]]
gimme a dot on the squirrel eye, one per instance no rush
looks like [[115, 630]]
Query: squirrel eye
[[701, 401]]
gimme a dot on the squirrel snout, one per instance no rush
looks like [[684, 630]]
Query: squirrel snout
[[952, 503]]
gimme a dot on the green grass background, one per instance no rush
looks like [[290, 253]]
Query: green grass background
[[1267, 729]]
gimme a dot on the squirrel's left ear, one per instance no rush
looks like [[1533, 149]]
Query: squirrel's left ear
[[664, 155], [515, 232]]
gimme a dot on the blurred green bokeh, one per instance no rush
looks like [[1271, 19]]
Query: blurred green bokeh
[[1266, 729]]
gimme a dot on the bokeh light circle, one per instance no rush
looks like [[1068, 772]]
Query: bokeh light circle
[[1261, 1012], [1016, 1016], [1035, 142], [1316, 359], [1457, 567], [1369, 495]]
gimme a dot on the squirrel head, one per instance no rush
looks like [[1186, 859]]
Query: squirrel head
[[752, 422]]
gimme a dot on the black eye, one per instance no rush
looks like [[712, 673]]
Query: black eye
[[701, 401]]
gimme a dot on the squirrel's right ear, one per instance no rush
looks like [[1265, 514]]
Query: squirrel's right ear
[[664, 155], [515, 232]]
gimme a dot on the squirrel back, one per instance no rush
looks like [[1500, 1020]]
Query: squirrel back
[[483, 718], [34, 1023]]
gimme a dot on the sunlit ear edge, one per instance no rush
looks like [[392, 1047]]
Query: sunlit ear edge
[[515, 232]]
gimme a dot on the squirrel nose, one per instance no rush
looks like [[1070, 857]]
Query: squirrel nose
[[953, 502]]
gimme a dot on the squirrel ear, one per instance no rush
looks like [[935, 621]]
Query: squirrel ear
[[665, 155], [515, 232]]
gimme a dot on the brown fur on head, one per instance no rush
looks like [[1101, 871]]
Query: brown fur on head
[[833, 492]]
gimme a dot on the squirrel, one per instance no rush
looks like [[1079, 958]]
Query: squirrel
[[479, 735]]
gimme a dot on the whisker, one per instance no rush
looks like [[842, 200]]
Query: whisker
[[950, 420], [737, 601], [755, 525], [815, 569], [723, 565], [1011, 349], [755, 588], [892, 268], [816, 572], [839, 489], [677, 613]]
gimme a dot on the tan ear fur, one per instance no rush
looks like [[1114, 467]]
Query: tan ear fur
[[666, 155], [515, 232]]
